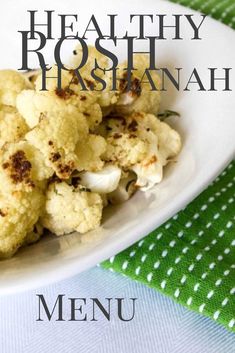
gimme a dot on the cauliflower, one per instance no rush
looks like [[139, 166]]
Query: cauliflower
[[66, 153], [93, 54], [140, 97], [92, 112], [164, 143], [62, 137], [52, 80], [18, 171], [125, 149], [12, 125], [56, 137], [89, 152], [169, 139], [21, 197], [19, 211], [141, 143], [103, 181], [70, 209], [106, 97], [31, 104], [40, 171], [11, 84], [70, 94], [21, 167]]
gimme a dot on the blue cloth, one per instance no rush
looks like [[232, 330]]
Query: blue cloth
[[160, 325]]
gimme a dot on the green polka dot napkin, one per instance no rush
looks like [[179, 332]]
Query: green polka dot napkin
[[191, 258], [221, 10]]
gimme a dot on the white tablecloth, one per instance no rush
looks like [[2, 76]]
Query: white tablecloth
[[159, 325]]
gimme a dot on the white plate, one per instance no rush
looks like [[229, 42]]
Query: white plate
[[207, 127]]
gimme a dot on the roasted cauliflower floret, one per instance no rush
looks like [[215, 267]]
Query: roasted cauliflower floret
[[71, 93], [15, 172], [56, 137], [52, 80], [19, 211], [106, 97], [70, 209], [140, 96], [11, 84], [142, 143], [21, 198], [31, 104], [22, 167], [12, 125], [89, 152], [151, 129], [169, 139], [91, 111], [125, 149], [164, 143], [93, 54]]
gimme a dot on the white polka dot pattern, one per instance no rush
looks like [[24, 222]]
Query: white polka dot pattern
[[192, 256]]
